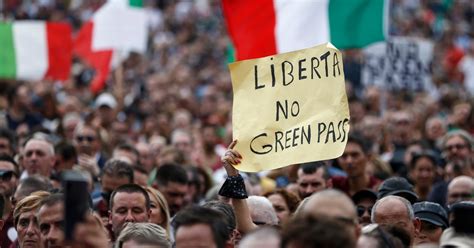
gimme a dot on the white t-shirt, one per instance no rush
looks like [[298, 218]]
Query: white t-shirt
[[466, 66]]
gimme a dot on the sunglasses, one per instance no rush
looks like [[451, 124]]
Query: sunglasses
[[81, 138], [6, 175], [457, 146], [361, 210], [460, 195]]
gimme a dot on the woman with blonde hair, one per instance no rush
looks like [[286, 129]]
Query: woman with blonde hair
[[24, 219], [160, 213]]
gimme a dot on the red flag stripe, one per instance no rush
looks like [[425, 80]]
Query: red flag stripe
[[99, 60], [252, 29], [59, 50]]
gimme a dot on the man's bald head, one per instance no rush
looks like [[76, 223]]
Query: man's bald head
[[49, 147], [39, 157], [396, 211], [460, 189], [461, 180], [392, 204], [330, 203]]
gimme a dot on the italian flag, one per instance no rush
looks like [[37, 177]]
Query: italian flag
[[116, 29], [266, 27], [35, 50]]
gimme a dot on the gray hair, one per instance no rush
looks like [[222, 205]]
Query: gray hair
[[42, 138], [260, 236], [409, 208], [144, 234], [262, 210], [434, 119], [460, 133]]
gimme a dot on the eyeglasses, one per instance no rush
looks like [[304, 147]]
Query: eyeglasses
[[460, 195], [6, 175], [81, 138], [457, 146], [361, 210], [351, 154]]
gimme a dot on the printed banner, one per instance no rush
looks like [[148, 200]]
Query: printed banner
[[401, 63]]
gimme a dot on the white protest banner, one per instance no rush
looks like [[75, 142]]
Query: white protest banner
[[290, 108], [400, 63]]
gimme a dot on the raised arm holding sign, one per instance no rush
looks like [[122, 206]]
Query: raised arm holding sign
[[243, 217], [290, 108]]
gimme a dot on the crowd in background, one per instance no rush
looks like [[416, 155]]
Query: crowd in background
[[163, 122]]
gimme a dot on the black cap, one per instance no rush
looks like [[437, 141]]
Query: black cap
[[431, 212], [364, 194], [398, 186], [467, 206], [462, 214]]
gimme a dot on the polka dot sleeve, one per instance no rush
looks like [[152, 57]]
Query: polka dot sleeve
[[234, 187]]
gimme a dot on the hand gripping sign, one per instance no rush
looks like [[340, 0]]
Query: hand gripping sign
[[290, 108]]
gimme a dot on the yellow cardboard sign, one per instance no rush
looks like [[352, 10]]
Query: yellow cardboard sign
[[290, 108]]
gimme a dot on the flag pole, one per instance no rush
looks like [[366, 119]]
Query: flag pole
[[118, 87]]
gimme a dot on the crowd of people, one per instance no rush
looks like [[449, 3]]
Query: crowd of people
[[156, 149]]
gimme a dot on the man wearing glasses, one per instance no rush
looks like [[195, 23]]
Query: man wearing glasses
[[88, 145], [458, 152], [364, 201], [8, 184], [457, 146]]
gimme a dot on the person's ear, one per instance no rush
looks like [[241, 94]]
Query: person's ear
[[235, 237], [53, 161], [358, 230], [110, 217], [417, 224], [329, 183]]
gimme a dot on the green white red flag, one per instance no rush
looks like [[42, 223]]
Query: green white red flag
[[35, 50], [265, 27]]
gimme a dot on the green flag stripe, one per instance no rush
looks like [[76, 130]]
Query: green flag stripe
[[230, 53], [356, 23], [136, 3], [7, 52]]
